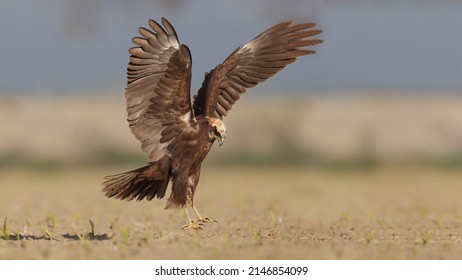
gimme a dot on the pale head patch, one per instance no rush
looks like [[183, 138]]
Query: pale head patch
[[219, 131]]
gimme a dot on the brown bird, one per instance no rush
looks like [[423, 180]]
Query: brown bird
[[176, 135]]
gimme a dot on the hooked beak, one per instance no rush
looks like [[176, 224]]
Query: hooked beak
[[220, 141]]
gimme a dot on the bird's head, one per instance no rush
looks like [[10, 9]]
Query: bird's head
[[217, 130]]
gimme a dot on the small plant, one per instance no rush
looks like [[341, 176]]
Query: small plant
[[87, 236], [5, 231], [426, 237], [47, 231], [125, 234], [92, 227], [51, 220], [383, 223], [79, 236], [371, 236], [146, 237], [256, 233], [274, 219]]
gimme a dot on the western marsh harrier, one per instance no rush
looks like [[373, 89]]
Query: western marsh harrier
[[176, 135]]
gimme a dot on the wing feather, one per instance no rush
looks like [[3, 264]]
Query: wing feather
[[253, 63], [158, 84]]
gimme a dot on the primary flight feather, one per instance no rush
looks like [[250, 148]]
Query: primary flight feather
[[176, 135]]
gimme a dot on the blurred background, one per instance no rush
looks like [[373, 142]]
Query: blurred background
[[385, 87], [353, 152]]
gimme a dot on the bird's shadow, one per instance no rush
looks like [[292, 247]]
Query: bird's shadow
[[87, 236], [19, 237], [67, 236]]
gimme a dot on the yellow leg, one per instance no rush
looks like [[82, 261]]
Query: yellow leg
[[191, 224]]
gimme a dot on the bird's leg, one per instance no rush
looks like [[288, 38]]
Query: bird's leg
[[201, 218], [191, 224]]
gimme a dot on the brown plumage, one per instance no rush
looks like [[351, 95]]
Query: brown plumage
[[176, 135]]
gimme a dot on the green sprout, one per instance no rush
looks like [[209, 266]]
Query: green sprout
[[371, 236], [125, 234], [79, 236], [51, 220], [426, 237], [92, 227], [47, 231], [5, 231]]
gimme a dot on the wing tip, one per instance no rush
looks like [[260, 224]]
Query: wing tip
[[165, 22]]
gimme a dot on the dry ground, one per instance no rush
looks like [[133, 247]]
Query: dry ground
[[276, 212], [263, 213]]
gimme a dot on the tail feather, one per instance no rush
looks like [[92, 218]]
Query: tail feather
[[144, 182]]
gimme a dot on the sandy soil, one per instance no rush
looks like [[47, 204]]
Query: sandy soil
[[263, 213], [390, 211]]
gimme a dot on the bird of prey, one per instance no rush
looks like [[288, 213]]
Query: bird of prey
[[177, 135]]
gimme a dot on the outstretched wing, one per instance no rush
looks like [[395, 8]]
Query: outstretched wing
[[157, 93], [251, 64]]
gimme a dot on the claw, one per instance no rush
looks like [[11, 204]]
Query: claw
[[199, 223], [192, 225]]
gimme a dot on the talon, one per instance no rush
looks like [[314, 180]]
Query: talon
[[193, 225], [201, 220]]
